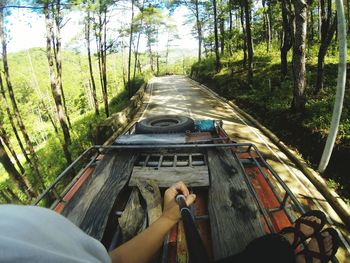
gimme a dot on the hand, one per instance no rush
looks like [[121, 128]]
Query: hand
[[171, 208]]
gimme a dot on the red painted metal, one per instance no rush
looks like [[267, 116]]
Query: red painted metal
[[279, 219], [68, 196], [172, 244]]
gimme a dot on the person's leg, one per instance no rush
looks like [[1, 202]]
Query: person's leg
[[274, 247], [321, 248]]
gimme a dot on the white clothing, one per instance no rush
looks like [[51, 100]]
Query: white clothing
[[36, 234]]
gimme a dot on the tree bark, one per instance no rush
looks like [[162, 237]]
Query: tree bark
[[348, 14], [5, 197], [12, 122], [287, 42], [55, 87], [138, 41], [87, 37], [299, 69], [6, 142], [14, 197], [102, 55], [217, 56], [57, 47], [327, 33], [199, 31], [244, 39], [249, 42], [267, 27], [130, 85], [222, 36], [21, 182]]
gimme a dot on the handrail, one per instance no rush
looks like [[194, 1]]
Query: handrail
[[339, 97], [61, 176]]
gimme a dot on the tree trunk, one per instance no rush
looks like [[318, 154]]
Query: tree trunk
[[199, 31], [55, 87], [230, 20], [267, 27], [217, 56], [244, 39], [327, 33], [34, 162], [87, 37], [7, 108], [57, 46], [104, 61], [286, 38], [222, 36], [14, 197], [249, 42], [21, 181], [348, 14], [6, 142], [299, 70], [130, 86], [4, 197]]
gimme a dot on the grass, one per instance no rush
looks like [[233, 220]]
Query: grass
[[269, 101]]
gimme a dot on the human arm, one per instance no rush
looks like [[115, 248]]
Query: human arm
[[143, 246]]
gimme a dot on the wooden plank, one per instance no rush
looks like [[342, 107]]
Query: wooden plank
[[132, 218], [166, 176], [91, 206], [150, 192], [234, 217], [182, 252]]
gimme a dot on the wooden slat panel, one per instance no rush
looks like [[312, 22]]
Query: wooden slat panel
[[167, 176], [150, 192], [234, 217], [133, 217], [90, 207]]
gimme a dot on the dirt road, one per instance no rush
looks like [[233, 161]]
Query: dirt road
[[181, 95]]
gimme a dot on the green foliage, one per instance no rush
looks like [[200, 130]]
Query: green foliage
[[269, 101], [31, 85]]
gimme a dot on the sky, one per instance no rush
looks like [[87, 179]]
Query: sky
[[27, 30]]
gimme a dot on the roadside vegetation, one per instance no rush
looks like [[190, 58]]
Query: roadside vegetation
[[287, 81]]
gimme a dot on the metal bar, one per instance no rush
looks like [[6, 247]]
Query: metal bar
[[266, 178], [160, 161], [146, 160], [256, 197], [63, 174], [285, 187], [285, 198], [169, 146], [75, 179], [271, 185]]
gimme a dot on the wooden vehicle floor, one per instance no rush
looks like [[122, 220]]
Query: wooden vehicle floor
[[91, 206]]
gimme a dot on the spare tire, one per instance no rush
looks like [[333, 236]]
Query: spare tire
[[165, 124]]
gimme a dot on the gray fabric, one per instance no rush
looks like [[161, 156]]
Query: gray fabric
[[35, 234]]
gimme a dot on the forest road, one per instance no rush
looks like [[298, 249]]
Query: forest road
[[182, 96]]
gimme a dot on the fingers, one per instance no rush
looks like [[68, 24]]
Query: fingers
[[190, 199], [180, 187]]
